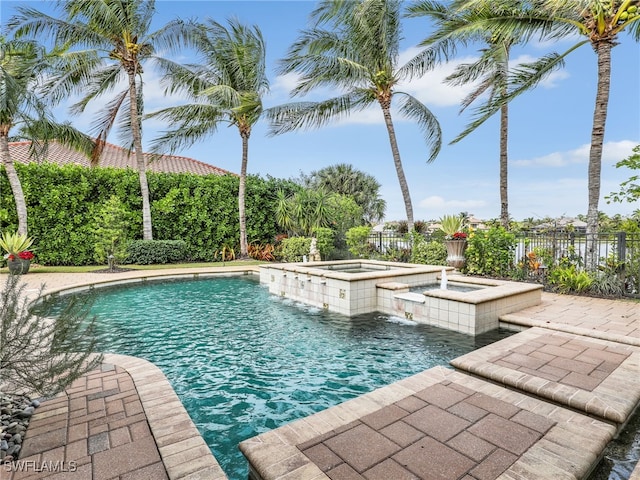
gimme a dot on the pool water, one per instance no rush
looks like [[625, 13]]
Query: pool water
[[243, 361]]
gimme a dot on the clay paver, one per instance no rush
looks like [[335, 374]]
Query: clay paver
[[478, 430], [584, 373]]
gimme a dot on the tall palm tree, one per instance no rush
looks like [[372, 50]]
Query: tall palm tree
[[490, 70], [24, 115], [226, 88], [357, 54], [596, 23], [113, 40]]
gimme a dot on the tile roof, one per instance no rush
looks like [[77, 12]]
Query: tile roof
[[116, 157]]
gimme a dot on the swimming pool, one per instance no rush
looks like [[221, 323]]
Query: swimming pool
[[243, 361]]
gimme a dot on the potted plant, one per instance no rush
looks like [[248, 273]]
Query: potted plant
[[455, 239], [18, 255]]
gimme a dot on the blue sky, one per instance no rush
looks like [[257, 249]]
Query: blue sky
[[550, 127]]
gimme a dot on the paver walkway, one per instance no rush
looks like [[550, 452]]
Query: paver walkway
[[97, 428], [438, 424], [616, 320]]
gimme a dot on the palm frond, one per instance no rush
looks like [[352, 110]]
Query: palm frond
[[191, 123], [520, 79], [308, 115], [412, 108]]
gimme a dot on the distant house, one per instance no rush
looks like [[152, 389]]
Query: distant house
[[563, 224], [116, 157]]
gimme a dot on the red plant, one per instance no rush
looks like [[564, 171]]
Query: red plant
[[459, 236], [26, 255], [261, 252]]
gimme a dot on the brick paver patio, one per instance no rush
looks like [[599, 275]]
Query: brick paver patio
[[97, 428]]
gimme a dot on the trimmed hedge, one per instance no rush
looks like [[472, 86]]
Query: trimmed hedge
[[148, 252], [63, 203]]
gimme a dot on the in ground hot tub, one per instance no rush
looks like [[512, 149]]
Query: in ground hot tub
[[406, 290], [345, 286]]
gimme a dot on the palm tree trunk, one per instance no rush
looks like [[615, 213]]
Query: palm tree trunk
[[603, 51], [244, 252], [147, 232], [14, 180], [504, 175], [404, 187]]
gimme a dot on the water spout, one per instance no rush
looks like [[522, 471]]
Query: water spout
[[443, 280]]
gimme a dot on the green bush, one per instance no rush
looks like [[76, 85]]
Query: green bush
[[325, 238], [294, 248], [111, 232], [569, 280], [358, 241], [428, 253], [490, 252], [147, 252]]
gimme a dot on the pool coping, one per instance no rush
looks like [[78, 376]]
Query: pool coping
[[182, 448], [277, 454]]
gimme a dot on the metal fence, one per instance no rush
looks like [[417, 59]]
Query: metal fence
[[614, 249]]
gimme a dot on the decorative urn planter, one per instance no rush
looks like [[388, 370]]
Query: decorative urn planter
[[18, 266], [455, 252]]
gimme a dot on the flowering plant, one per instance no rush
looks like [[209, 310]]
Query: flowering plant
[[452, 225], [17, 246]]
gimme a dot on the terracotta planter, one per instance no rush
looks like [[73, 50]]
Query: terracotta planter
[[455, 253], [18, 266]]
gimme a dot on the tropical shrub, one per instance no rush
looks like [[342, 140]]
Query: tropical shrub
[[295, 248], [261, 252], [606, 284], [147, 252], [569, 280], [325, 238], [428, 253], [490, 252], [358, 241], [111, 232]]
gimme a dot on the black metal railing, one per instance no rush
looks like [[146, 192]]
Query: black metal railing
[[619, 248]]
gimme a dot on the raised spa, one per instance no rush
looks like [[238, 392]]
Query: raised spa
[[356, 287]]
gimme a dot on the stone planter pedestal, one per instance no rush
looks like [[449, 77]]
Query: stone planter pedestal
[[455, 253]]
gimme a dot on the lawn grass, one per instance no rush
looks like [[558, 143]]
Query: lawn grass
[[90, 268]]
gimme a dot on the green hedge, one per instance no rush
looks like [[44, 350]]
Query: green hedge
[[63, 203], [149, 252]]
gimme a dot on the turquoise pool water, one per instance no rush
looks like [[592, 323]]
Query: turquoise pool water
[[244, 362]]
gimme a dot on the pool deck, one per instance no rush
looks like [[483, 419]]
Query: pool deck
[[541, 404]]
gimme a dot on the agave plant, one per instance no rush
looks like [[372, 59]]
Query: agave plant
[[451, 224], [15, 243]]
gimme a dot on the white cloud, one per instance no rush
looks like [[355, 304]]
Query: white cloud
[[612, 152], [431, 89]]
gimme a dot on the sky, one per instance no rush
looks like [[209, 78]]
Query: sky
[[549, 127]]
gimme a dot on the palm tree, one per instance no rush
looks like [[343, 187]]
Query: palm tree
[[227, 88], [113, 40], [24, 113], [490, 70], [596, 23], [357, 54], [346, 180]]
